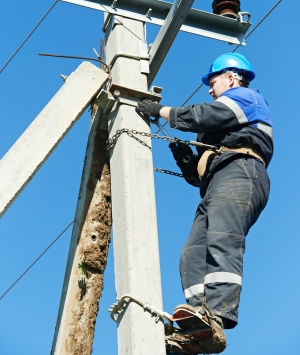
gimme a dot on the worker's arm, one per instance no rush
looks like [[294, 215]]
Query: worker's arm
[[236, 108], [201, 118], [194, 118], [165, 112]]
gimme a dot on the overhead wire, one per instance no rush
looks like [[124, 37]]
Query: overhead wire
[[259, 22], [43, 18], [29, 35], [121, 23], [36, 260]]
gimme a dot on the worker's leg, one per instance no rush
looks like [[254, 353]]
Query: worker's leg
[[193, 259], [235, 196]]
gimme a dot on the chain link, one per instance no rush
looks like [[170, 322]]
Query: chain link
[[169, 172], [111, 142]]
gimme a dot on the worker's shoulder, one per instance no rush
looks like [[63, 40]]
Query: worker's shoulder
[[245, 96], [242, 92]]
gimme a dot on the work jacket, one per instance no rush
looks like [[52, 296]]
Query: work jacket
[[240, 117]]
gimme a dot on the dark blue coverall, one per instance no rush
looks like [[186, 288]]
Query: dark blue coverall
[[234, 191]]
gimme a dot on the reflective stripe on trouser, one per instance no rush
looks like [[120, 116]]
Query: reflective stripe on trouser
[[212, 259]]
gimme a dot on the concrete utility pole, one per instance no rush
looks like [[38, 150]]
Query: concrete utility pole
[[35, 145], [136, 253]]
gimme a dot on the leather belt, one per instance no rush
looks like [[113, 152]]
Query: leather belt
[[202, 164]]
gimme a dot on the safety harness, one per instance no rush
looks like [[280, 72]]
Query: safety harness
[[209, 153]]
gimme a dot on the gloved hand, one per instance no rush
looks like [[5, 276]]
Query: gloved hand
[[187, 162], [182, 153], [148, 108]]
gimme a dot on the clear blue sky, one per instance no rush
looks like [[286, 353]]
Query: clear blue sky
[[269, 316]]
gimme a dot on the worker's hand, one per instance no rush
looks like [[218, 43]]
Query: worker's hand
[[148, 108], [182, 153], [187, 162]]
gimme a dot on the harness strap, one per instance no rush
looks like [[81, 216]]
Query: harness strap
[[202, 164]]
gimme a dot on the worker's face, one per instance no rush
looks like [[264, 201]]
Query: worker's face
[[219, 84]]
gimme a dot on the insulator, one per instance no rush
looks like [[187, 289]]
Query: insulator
[[228, 8]]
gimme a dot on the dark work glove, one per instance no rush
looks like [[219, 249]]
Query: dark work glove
[[187, 162], [148, 108], [182, 153]]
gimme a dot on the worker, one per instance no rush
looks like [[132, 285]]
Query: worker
[[233, 182]]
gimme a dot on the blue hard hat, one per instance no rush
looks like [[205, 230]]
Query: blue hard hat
[[230, 61]]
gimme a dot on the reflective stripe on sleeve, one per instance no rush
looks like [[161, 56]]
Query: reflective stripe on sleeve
[[194, 290], [265, 128], [234, 107], [227, 277]]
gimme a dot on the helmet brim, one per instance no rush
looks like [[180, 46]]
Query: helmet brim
[[206, 78]]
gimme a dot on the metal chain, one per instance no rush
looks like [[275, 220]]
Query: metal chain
[[111, 142], [169, 172]]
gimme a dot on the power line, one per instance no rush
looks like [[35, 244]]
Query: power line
[[36, 260], [259, 22], [192, 94], [29, 35], [43, 18]]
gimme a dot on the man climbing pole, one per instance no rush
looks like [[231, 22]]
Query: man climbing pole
[[234, 187]]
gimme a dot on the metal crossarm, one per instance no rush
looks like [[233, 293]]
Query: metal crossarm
[[153, 11]]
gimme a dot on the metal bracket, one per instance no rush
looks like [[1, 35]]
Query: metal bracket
[[244, 17], [129, 56], [123, 95], [107, 18], [149, 12], [143, 57], [130, 96], [120, 306], [114, 4], [104, 100]]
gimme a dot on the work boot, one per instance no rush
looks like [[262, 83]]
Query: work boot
[[201, 324], [177, 343]]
